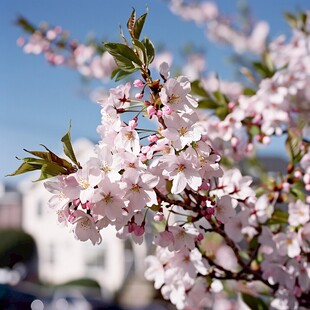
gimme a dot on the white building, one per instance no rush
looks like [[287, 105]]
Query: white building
[[10, 208], [61, 256]]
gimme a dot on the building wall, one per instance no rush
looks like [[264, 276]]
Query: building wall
[[10, 208]]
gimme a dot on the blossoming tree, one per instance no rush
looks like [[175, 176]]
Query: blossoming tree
[[220, 240]]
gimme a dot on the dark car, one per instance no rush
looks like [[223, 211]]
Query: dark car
[[12, 298]]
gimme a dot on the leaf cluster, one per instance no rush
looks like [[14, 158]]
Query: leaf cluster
[[131, 58], [48, 162], [216, 101], [265, 67], [298, 21]]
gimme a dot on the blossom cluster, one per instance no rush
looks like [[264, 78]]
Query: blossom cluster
[[60, 50], [215, 231], [222, 29]]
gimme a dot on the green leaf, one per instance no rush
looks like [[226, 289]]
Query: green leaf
[[220, 97], [24, 168], [131, 23], [121, 75], [56, 159], [23, 22], [291, 19], [150, 50], [254, 130], [49, 170], [140, 50], [222, 112], [208, 104], [249, 92], [168, 186], [293, 145], [268, 63], [48, 162], [124, 56], [278, 217], [138, 26], [197, 89], [297, 190], [67, 146], [263, 69], [47, 157], [114, 73], [254, 303]]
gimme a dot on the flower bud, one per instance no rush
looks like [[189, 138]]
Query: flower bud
[[139, 95], [138, 83]]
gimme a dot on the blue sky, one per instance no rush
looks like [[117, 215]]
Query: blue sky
[[37, 101]]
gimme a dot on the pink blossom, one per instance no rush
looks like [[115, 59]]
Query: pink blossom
[[287, 244], [176, 93], [140, 191], [181, 130], [181, 171], [299, 213], [225, 209], [109, 199], [84, 228]]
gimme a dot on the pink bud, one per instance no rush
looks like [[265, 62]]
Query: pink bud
[[145, 149], [167, 236], [250, 147], [307, 187], [159, 114], [139, 95], [138, 83], [234, 141], [142, 158], [199, 237], [71, 217], [167, 110], [131, 227], [297, 291], [132, 124], [139, 230], [210, 211], [231, 105], [205, 185], [51, 35], [257, 118], [20, 41], [59, 59], [76, 202], [297, 174], [86, 205], [266, 140], [158, 217], [208, 217], [286, 186], [151, 110], [152, 138], [58, 29], [306, 178]]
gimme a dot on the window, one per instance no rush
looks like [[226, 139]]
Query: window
[[96, 257], [40, 208]]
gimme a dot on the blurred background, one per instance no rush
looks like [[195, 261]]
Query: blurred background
[[40, 262]]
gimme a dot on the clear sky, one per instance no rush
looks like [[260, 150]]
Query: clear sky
[[37, 101]]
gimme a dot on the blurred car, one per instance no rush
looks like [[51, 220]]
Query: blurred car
[[12, 298], [68, 299], [73, 299]]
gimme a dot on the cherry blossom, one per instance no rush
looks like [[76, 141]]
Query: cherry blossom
[[218, 232]]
